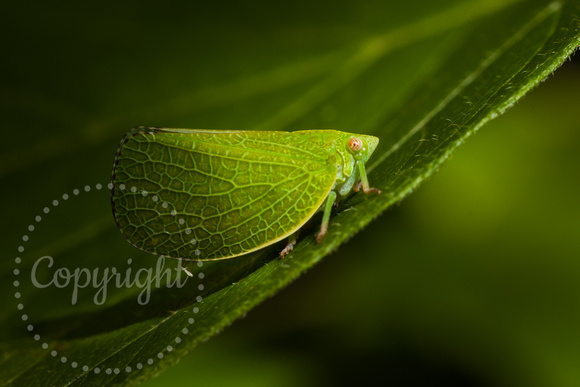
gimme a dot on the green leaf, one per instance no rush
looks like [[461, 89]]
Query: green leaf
[[421, 78]]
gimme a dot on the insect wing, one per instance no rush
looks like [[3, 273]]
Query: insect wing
[[218, 194]]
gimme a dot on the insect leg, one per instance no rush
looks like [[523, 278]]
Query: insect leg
[[326, 217], [291, 243], [364, 181]]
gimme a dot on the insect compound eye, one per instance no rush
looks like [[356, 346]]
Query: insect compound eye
[[355, 144]]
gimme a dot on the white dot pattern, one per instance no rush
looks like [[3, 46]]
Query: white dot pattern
[[54, 353]]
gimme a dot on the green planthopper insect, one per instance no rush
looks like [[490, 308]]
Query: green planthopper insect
[[216, 194]]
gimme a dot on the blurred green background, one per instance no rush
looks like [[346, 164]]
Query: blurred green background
[[470, 281]]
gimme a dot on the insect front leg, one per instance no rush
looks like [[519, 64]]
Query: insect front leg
[[364, 181], [326, 217]]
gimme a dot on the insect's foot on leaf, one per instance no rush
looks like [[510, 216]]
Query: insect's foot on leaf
[[286, 249], [291, 243], [372, 190], [367, 191]]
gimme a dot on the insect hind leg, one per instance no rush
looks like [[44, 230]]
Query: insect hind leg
[[291, 243]]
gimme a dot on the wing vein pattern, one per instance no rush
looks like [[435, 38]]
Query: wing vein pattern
[[217, 195]]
